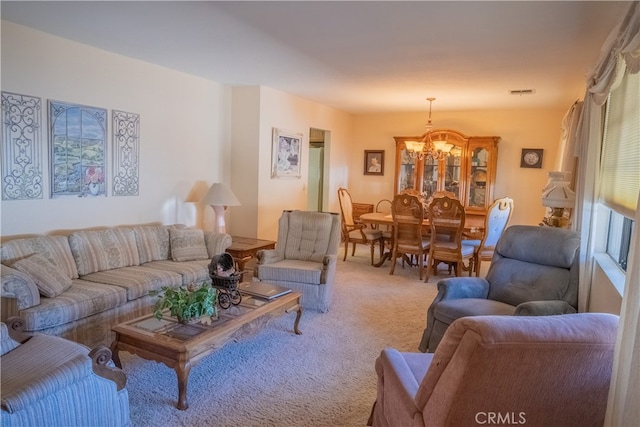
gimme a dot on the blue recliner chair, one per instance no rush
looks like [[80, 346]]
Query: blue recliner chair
[[534, 272]]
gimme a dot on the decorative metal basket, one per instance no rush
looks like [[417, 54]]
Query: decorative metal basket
[[226, 282], [224, 262]]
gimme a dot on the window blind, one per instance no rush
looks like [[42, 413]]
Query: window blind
[[620, 165]]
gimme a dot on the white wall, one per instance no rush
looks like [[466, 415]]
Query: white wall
[[284, 111], [183, 131], [517, 128]]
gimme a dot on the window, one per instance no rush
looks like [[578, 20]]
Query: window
[[619, 238], [620, 167]]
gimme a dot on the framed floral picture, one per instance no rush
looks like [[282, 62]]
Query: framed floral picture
[[374, 162], [286, 154]]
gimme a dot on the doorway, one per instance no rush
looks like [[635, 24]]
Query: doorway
[[315, 181]]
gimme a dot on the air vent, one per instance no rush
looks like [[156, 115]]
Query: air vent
[[522, 92]]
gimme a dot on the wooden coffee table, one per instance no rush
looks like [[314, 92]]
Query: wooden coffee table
[[179, 346]]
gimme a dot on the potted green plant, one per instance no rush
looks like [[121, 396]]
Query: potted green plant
[[187, 305]]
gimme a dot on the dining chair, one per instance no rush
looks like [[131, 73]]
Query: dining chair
[[447, 217], [495, 223], [353, 232], [408, 213], [384, 206]]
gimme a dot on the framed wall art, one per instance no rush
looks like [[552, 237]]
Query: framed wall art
[[531, 158], [286, 154], [77, 141], [374, 162]]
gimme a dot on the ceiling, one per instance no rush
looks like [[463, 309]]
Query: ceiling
[[359, 56]]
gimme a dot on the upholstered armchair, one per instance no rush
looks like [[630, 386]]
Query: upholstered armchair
[[534, 271], [304, 259], [506, 370], [47, 380]]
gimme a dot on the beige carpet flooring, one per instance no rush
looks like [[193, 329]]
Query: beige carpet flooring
[[324, 377]]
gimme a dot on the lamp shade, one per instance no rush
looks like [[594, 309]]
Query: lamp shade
[[557, 193], [220, 195]]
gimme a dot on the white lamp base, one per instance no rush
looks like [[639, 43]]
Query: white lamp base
[[220, 226]]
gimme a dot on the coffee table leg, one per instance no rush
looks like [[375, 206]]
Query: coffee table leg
[[182, 371], [296, 323]]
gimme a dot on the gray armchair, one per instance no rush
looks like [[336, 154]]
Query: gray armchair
[[534, 272], [304, 259]]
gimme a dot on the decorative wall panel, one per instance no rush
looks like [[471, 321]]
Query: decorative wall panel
[[21, 147], [126, 148]]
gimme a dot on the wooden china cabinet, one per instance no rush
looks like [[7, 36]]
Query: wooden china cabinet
[[469, 170]]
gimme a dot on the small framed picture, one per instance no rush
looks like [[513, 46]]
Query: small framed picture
[[374, 162], [286, 153], [531, 158]]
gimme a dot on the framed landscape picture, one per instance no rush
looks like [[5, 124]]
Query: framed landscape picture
[[374, 162], [286, 154]]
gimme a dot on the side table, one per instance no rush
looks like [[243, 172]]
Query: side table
[[242, 249]]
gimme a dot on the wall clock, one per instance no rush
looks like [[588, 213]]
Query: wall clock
[[531, 158]]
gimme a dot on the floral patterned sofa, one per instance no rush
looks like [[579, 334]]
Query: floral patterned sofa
[[53, 280]]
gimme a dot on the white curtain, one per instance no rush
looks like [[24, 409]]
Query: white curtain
[[621, 51]]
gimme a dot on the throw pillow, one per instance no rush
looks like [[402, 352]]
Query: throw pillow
[[187, 245], [48, 278]]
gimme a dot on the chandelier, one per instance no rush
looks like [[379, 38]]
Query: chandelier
[[429, 145]]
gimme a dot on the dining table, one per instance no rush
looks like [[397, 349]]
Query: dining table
[[473, 227]]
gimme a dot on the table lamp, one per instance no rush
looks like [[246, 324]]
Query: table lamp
[[219, 197], [558, 196]]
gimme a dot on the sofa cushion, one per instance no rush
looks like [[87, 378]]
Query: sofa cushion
[[187, 245], [152, 242], [48, 278], [291, 270], [137, 280], [191, 271], [55, 248], [308, 236], [102, 250], [82, 299]]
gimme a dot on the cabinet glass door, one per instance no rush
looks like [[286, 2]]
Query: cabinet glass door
[[407, 178], [478, 177], [429, 177], [452, 172]]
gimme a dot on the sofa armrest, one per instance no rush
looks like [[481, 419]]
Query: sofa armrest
[[217, 243], [18, 285], [462, 287], [268, 256], [543, 308], [102, 366], [397, 388], [72, 371]]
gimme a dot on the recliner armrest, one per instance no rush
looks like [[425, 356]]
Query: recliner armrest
[[543, 308], [462, 287], [327, 260], [268, 256]]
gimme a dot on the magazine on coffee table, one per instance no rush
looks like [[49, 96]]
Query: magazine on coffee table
[[263, 290]]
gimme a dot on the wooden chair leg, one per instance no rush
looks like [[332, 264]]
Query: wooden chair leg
[[346, 249]]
